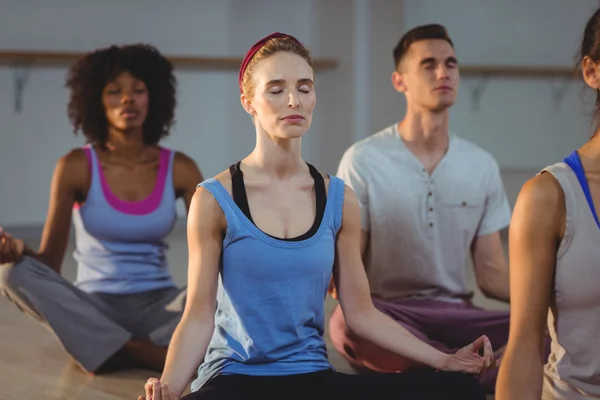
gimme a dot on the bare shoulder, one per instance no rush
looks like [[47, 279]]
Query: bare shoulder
[[74, 158], [204, 202], [203, 194], [206, 208], [73, 169], [543, 191], [540, 206], [184, 162], [224, 178], [185, 171], [206, 212]]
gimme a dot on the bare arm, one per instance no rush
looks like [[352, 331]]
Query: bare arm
[[71, 176], [489, 261], [491, 268], [364, 244], [536, 228], [186, 177], [361, 316], [205, 227]]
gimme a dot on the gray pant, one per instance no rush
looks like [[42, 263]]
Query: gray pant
[[91, 326]]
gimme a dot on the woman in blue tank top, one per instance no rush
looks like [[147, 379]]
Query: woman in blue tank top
[[264, 238], [120, 192]]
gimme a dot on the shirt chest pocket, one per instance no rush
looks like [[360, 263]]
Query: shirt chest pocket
[[462, 208]]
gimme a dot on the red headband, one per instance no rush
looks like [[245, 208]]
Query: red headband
[[254, 49]]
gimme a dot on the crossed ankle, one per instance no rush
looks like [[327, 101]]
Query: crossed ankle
[[146, 354]]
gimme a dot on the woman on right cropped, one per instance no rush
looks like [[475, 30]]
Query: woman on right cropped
[[554, 270]]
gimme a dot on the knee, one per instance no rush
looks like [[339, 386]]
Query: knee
[[14, 276], [8, 277]]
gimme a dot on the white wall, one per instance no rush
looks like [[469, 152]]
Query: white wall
[[516, 120], [211, 125]]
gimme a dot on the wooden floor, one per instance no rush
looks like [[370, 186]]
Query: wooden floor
[[34, 365]]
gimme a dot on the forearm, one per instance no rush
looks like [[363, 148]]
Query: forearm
[[520, 376], [376, 327], [186, 352]]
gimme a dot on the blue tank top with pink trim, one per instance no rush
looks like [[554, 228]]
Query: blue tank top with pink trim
[[120, 246]]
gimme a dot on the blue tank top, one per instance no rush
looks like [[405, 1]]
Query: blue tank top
[[271, 293], [120, 245]]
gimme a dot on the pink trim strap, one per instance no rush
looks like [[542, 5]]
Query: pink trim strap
[[144, 206]]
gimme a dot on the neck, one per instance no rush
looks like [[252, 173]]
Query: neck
[[590, 151], [424, 130], [128, 145], [278, 158]]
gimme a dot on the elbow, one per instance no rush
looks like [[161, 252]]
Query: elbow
[[485, 290], [55, 266], [358, 320], [53, 262], [488, 287], [483, 284], [493, 280]]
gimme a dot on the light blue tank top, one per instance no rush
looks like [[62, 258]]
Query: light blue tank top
[[120, 245], [271, 294]]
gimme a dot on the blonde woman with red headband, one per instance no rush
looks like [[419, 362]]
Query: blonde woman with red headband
[[264, 238]]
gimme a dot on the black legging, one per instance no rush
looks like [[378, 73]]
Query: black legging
[[329, 385]]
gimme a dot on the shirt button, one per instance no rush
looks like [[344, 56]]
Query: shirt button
[[430, 209], [431, 224]]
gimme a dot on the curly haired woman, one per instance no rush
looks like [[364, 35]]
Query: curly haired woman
[[120, 192]]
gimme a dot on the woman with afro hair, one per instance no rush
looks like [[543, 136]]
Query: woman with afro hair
[[120, 192]]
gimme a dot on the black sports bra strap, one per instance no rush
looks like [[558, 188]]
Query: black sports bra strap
[[239, 189], [320, 192], [241, 199]]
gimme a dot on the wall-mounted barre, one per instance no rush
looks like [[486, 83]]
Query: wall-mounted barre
[[21, 62], [518, 72], [47, 58], [564, 76]]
